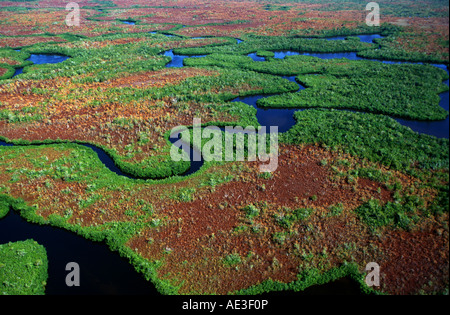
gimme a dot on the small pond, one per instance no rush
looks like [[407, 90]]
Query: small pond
[[41, 59], [105, 272]]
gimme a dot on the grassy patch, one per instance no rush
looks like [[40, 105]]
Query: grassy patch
[[23, 268], [377, 138]]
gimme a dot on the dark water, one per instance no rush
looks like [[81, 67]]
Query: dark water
[[40, 59], [101, 270], [363, 38], [282, 118], [129, 22], [177, 60], [167, 35], [195, 157], [438, 129], [105, 272], [336, 38], [369, 38]]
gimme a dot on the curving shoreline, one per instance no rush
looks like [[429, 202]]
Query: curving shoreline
[[283, 118]]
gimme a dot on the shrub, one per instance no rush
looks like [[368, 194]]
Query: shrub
[[23, 268]]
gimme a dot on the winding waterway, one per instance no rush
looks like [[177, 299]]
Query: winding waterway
[[105, 272], [41, 59], [438, 129]]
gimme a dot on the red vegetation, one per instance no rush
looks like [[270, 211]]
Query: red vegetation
[[415, 261], [202, 230], [3, 71]]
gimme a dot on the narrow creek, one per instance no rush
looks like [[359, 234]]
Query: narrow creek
[[105, 272]]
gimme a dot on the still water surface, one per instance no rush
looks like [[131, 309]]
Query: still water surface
[[105, 272]]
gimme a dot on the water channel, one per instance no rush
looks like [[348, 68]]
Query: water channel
[[105, 272]]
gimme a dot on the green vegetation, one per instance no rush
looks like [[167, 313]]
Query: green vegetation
[[23, 268], [101, 63], [286, 220], [4, 209], [271, 7], [377, 215], [375, 137], [336, 210], [201, 88], [267, 43], [413, 90], [280, 237], [251, 211], [264, 53], [8, 73], [25, 115], [232, 259], [389, 50], [394, 8], [94, 60]]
